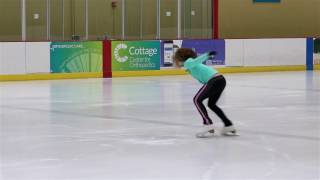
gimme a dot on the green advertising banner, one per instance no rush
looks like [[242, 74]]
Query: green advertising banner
[[68, 57], [135, 55]]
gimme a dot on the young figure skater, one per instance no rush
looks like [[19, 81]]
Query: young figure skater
[[213, 85]]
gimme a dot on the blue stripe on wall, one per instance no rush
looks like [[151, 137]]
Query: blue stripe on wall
[[266, 1], [309, 58]]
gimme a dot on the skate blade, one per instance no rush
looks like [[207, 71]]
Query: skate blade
[[205, 135], [232, 133]]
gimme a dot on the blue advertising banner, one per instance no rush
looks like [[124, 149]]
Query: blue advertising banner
[[266, 1], [168, 48]]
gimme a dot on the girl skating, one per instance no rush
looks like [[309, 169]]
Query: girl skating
[[213, 86]]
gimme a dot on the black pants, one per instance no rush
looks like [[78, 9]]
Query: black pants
[[212, 90]]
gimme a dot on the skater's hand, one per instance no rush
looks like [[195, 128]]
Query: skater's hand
[[212, 53]]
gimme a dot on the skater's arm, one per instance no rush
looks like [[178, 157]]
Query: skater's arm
[[190, 63]]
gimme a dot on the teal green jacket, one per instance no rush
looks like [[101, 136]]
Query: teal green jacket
[[199, 71]]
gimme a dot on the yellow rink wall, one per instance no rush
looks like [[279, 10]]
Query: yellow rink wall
[[30, 77], [163, 72], [221, 70]]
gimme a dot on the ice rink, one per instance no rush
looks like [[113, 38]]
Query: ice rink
[[143, 129]]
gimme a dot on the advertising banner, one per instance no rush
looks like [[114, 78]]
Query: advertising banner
[[199, 46], [69, 57], [135, 55], [266, 1]]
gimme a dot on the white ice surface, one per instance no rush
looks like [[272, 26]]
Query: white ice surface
[[143, 129]]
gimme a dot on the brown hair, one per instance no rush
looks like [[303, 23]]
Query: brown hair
[[182, 54]]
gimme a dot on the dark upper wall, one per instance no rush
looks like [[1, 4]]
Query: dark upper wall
[[290, 18]]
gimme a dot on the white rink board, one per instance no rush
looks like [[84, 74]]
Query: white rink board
[[38, 57], [12, 58], [265, 52], [234, 52]]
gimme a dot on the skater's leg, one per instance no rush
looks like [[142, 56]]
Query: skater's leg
[[217, 88], [198, 101], [215, 108]]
